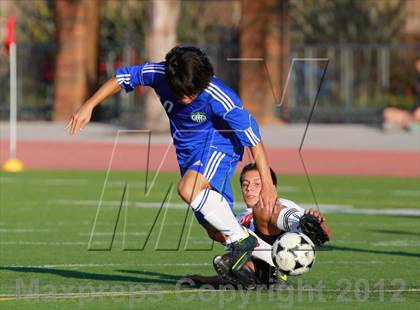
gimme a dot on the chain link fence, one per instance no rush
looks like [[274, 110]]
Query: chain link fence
[[360, 81]]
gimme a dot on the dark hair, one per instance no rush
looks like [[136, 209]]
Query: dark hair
[[188, 71], [253, 166]]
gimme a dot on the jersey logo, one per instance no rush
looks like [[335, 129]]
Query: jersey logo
[[198, 163], [198, 117]]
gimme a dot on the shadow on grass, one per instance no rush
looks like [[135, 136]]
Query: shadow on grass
[[163, 278], [152, 273]]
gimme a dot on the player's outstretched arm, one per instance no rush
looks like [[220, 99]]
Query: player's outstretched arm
[[314, 224], [268, 190], [82, 116]]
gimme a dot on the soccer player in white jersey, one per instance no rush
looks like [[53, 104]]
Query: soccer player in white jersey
[[210, 128], [268, 225]]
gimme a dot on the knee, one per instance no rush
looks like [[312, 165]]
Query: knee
[[183, 191], [190, 186], [188, 190]]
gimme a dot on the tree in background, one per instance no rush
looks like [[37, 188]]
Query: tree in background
[[347, 21], [35, 49], [161, 36], [122, 26], [264, 34], [77, 28], [363, 29]]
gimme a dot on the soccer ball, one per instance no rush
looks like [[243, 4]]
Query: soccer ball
[[293, 253]]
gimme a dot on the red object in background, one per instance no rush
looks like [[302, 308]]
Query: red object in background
[[10, 34]]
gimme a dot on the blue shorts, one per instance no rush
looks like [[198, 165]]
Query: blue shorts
[[218, 168]]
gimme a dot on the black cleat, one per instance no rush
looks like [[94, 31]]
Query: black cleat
[[246, 279], [222, 265], [241, 279], [241, 251]]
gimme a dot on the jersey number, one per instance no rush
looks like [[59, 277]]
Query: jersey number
[[168, 106]]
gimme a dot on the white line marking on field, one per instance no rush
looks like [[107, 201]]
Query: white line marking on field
[[104, 233], [347, 209], [26, 230], [325, 208], [94, 265], [107, 265], [66, 182], [288, 189], [397, 243], [7, 297], [406, 192], [58, 243]]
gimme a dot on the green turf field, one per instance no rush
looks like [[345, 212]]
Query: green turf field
[[46, 220]]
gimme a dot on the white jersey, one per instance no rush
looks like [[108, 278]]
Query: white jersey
[[246, 218]]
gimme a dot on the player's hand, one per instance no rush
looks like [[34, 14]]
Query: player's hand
[[79, 119], [317, 214], [268, 197], [312, 226], [327, 230]]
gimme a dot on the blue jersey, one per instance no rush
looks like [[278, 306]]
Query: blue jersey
[[215, 119]]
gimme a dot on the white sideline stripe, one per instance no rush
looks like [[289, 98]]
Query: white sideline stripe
[[411, 243], [58, 243], [399, 193], [87, 265], [26, 230], [108, 265], [397, 243], [7, 297], [325, 208], [141, 233], [82, 181], [60, 182], [350, 210], [289, 189]]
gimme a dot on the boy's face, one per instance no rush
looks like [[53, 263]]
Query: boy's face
[[251, 187], [188, 99]]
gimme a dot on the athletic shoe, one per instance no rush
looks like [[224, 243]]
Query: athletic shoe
[[244, 278], [241, 251]]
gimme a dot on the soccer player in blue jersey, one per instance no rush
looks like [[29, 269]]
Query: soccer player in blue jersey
[[209, 127]]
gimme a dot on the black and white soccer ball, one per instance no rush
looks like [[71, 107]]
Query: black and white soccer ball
[[293, 253]]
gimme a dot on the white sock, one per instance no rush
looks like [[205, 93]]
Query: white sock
[[289, 217], [217, 212], [262, 250]]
